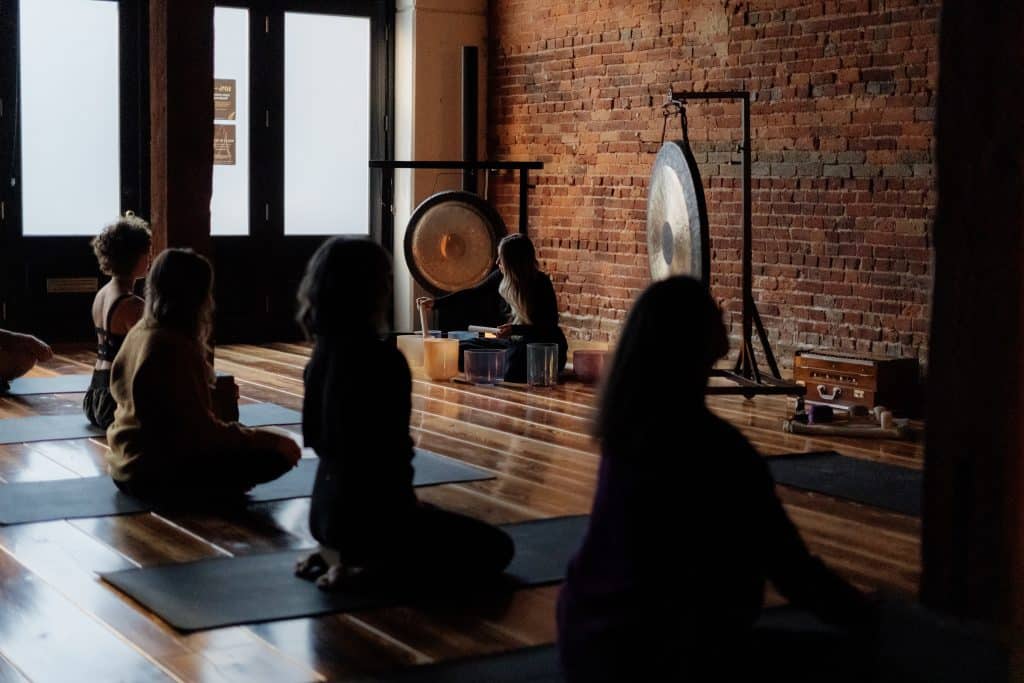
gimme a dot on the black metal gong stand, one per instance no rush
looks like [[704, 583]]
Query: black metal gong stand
[[524, 168], [746, 375]]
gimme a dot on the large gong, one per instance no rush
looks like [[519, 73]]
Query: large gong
[[677, 216], [451, 241]]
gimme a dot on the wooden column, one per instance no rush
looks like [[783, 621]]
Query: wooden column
[[973, 536], [181, 121]]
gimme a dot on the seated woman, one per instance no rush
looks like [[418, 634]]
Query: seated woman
[[123, 253], [526, 294], [165, 442], [18, 354], [685, 527], [356, 411]]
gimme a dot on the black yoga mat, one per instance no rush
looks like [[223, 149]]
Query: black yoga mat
[[59, 427], [255, 588], [40, 501], [531, 665], [897, 489], [911, 644]]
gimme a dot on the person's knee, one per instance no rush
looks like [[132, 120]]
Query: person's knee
[[15, 363], [503, 549]]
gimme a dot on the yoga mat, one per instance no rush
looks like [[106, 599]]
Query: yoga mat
[[59, 427], [255, 588], [41, 501], [531, 665], [57, 384], [265, 414], [912, 645], [897, 489]]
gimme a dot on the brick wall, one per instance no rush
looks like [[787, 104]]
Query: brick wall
[[843, 190]]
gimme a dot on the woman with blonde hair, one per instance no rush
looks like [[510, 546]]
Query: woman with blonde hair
[[166, 444], [527, 296]]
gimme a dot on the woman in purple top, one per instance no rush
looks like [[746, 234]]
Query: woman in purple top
[[685, 528]]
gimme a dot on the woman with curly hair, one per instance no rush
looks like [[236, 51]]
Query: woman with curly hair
[[123, 252]]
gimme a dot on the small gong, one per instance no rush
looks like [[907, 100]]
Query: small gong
[[451, 241]]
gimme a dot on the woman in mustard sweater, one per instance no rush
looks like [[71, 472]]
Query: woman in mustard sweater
[[165, 442]]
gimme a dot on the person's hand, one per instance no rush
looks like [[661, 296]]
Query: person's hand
[[34, 346], [284, 445], [504, 330], [425, 302]]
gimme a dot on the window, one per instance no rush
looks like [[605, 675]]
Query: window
[[69, 108], [326, 124], [229, 206]]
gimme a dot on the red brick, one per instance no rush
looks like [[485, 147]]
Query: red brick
[[842, 88]]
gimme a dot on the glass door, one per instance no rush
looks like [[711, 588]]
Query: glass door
[[318, 80], [72, 82]]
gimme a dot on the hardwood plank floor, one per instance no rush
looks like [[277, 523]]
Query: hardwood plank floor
[[536, 442]]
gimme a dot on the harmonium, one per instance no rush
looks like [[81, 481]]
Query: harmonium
[[846, 380]]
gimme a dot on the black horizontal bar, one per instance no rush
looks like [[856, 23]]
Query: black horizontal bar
[[745, 385], [711, 95], [459, 165]]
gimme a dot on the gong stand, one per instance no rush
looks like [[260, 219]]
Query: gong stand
[[524, 168], [747, 376]]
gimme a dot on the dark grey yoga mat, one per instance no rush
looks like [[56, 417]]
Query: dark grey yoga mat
[[530, 665], [255, 588], [57, 384], [40, 501], [912, 645], [59, 427], [897, 489]]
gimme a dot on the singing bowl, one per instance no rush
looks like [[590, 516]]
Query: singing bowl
[[588, 364]]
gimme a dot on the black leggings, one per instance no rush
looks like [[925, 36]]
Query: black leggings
[[223, 478], [98, 404], [429, 544]]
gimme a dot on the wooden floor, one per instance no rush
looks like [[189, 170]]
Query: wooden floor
[[59, 622]]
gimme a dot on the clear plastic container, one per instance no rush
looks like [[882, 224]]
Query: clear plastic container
[[484, 366], [542, 365]]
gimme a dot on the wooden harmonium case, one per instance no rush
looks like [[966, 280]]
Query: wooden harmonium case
[[843, 381]]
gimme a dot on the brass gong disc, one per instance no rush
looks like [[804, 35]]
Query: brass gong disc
[[677, 218], [451, 241]]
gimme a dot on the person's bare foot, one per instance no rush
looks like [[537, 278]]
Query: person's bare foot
[[340, 576], [317, 563]]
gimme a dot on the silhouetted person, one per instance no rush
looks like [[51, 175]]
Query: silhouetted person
[[518, 297], [685, 528], [18, 354], [166, 444], [123, 251], [358, 394]]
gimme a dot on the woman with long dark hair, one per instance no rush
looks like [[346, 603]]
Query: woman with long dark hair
[[685, 527], [527, 296], [355, 415], [166, 444]]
